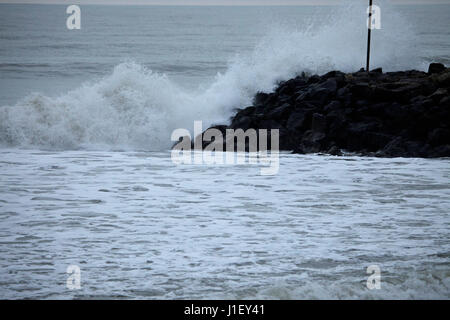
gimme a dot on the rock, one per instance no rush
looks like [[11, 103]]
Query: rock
[[397, 91], [439, 136], [333, 105], [287, 87], [199, 138], [319, 123], [445, 101], [377, 70], [441, 79], [439, 94], [243, 123], [269, 124], [333, 74], [279, 112], [317, 95], [342, 92], [260, 98], [436, 68], [245, 112], [313, 142], [296, 121], [364, 135], [330, 85], [376, 141], [395, 148], [313, 79], [441, 152], [361, 90], [334, 151], [403, 113], [243, 118]]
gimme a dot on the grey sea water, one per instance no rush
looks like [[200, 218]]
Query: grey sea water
[[189, 44], [86, 177]]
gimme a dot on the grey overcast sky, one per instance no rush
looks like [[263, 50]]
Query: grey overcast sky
[[214, 2]]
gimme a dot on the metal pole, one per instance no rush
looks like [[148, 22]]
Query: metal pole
[[369, 36]]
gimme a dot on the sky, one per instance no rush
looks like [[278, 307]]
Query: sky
[[212, 2]]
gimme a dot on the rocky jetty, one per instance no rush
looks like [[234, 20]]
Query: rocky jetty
[[393, 114]]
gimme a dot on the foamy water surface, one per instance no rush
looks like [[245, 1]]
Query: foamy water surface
[[140, 227]]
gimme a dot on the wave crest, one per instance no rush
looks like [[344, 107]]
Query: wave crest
[[135, 108]]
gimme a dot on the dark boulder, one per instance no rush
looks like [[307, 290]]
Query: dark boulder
[[436, 68], [377, 70], [244, 123], [296, 120], [319, 123], [333, 105], [330, 85], [334, 151], [393, 114], [439, 94], [260, 98], [280, 112], [361, 90], [313, 142], [439, 136]]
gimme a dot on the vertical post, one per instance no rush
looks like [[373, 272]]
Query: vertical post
[[369, 36]]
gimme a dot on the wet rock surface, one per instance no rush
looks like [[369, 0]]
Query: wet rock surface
[[394, 114]]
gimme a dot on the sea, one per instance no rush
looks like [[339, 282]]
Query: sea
[[92, 205]]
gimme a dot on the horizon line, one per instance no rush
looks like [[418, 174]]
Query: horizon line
[[202, 5]]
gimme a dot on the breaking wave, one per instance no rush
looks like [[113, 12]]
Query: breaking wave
[[135, 108], [412, 284]]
